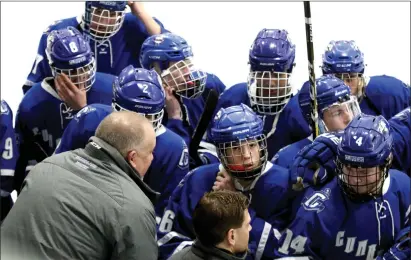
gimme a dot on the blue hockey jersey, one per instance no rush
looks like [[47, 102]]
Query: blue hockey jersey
[[111, 56], [286, 155], [386, 96], [282, 129], [401, 126], [192, 110], [170, 162], [330, 226], [267, 215], [8, 149], [42, 117]]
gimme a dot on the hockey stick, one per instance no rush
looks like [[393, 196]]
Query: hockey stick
[[206, 116], [310, 53]]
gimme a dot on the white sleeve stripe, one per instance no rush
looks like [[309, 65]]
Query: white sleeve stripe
[[263, 241], [170, 236], [7, 172], [408, 211]]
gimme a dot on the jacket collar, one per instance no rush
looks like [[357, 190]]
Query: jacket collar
[[100, 150], [214, 253]]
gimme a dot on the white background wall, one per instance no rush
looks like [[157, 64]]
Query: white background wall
[[221, 36]]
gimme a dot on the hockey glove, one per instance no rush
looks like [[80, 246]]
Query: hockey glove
[[315, 163]]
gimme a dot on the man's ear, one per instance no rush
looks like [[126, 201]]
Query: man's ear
[[231, 236], [131, 158]]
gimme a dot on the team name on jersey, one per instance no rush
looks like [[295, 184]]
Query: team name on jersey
[[351, 244]]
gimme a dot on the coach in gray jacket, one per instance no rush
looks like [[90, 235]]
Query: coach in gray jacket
[[89, 203]]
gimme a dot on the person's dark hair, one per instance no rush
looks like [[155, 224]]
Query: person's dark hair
[[216, 213]]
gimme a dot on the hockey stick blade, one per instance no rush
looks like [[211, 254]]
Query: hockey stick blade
[[206, 116]]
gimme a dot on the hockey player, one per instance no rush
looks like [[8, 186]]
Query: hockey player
[[268, 90], [9, 155], [186, 86], [137, 90], [336, 109], [115, 37], [361, 210], [322, 152], [238, 135], [48, 107], [377, 95]]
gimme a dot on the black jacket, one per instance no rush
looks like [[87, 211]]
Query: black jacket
[[198, 251]]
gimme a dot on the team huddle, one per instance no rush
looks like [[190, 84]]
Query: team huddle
[[343, 195]]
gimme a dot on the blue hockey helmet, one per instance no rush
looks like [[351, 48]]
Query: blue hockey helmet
[[336, 107], [345, 60], [104, 19], [271, 60], [172, 58], [69, 53], [364, 156], [241, 145], [140, 90]]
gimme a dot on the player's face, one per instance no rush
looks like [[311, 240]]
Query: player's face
[[184, 78], [337, 117], [104, 22], [242, 234], [362, 181], [354, 80], [272, 84], [155, 119], [244, 155]]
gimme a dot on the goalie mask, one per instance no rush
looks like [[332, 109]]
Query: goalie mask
[[336, 107], [140, 90], [345, 60], [241, 145], [364, 157], [271, 60], [103, 19], [68, 53], [172, 57]]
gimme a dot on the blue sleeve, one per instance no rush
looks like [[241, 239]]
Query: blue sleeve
[[175, 229], [82, 127], [40, 68], [8, 150], [213, 82], [174, 167], [285, 156], [388, 95], [138, 27], [30, 151], [178, 127], [401, 126]]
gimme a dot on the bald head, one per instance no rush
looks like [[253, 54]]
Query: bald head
[[126, 131]]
